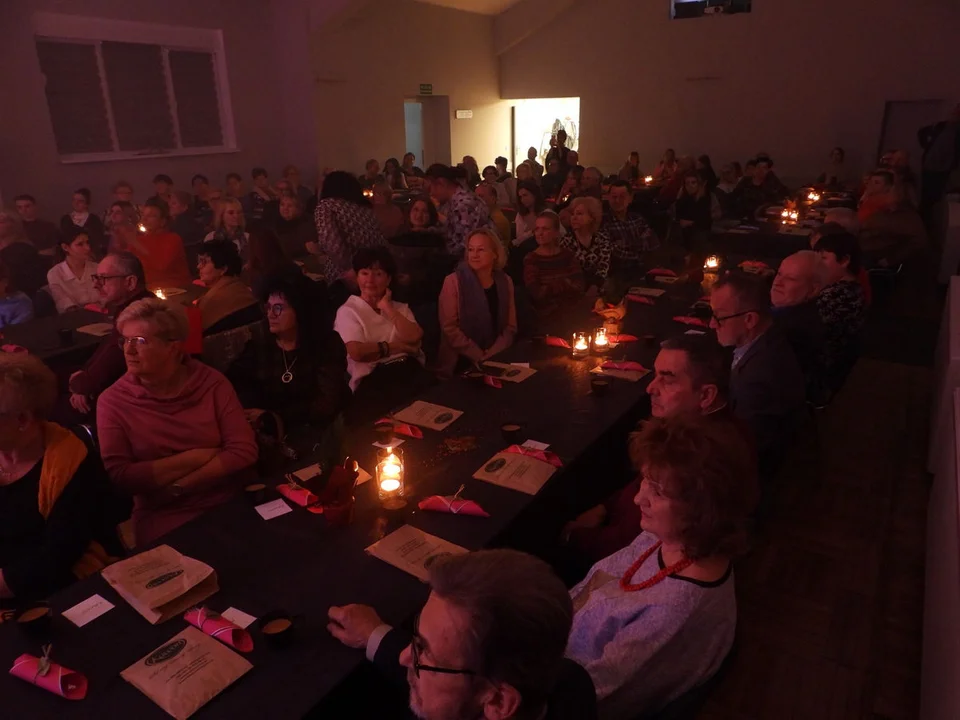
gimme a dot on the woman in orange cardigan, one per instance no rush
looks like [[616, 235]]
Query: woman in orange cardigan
[[478, 314]]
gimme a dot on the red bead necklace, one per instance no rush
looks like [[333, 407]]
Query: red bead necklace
[[627, 586]]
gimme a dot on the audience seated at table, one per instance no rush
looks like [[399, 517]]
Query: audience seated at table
[[299, 374], [767, 387], [691, 376], [629, 234], [631, 168], [345, 223], [230, 224], [670, 190], [228, 302], [70, 281], [54, 494], [15, 307], [371, 175], [421, 256], [529, 205], [80, 218], [695, 210], [42, 234], [235, 190], [461, 211], [306, 196], [756, 190], [388, 214], [666, 167], [382, 337], [201, 205], [587, 242], [835, 177], [160, 251], [554, 178], [19, 256], [172, 432], [409, 166], [122, 193], [841, 305], [182, 220], [491, 176], [486, 192], [657, 618], [551, 274], [488, 643], [794, 294], [891, 229], [121, 225], [478, 314], [293, 227], [844, 220], [261, 194], [393, 175]]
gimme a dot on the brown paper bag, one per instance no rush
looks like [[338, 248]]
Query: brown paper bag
[[161, 583], [183, 675], [516, 471]]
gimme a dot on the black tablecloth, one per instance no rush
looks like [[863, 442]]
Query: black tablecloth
[[41, 336]]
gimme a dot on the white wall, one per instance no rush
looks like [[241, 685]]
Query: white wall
[[28, 156], [794, 77]]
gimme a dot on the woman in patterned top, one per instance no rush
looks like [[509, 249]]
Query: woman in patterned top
[[590, 246], [841, 305], [345, 223]]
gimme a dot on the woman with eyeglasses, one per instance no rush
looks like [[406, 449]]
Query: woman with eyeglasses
[[228, 302], [172, 432], [299, 373]]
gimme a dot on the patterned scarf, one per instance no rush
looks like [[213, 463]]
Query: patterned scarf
[[474, 310]]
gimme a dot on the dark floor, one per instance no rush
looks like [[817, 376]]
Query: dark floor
[[831, 604]]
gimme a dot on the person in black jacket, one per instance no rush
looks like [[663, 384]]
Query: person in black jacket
[[694, 211], [794, 297], [489, 642], [941, 155]]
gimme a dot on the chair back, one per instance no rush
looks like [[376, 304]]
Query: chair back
[[221, 349], [689, 705]]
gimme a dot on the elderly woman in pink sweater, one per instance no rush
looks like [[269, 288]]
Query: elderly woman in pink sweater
[[478, 314], [172, 432]]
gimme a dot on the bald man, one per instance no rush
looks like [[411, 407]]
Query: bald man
[[794, 299]]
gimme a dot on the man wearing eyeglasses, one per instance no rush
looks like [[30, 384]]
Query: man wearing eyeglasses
[[489, 642], [120, 281], [767, 389]]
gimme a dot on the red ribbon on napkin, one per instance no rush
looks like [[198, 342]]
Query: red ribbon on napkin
[[299, 495], [642, 299], [95, 307], [219, 628], [544, 455], [554, 341], [625, 365], [661, 272], [59, 680], [623, 338], [687, 320], [450, 504], [402, 428], [492, 381], [13, 348]]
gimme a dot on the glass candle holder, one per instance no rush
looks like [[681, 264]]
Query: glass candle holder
[[601, 343], [711, 264], [390, 486], [580, 347]]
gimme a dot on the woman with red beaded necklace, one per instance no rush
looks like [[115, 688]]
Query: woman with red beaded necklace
[[657, 618]]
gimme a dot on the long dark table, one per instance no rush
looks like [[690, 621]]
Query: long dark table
[[41, 336], [299, 563]]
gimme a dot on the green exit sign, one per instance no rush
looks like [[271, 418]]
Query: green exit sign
[[426, 88]]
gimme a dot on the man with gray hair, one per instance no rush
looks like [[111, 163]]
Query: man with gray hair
[[794, 299], [488, 643]]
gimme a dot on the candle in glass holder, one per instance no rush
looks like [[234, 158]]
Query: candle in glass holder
[[368, 194], [711, 264], [160, 294], [813, 196], [601, 343], [580, 344], [648, 180], [785, 214], [390, 488], [142, 228], [794, 215]]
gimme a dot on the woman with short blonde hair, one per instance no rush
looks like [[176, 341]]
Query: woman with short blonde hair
[[172, 432], [230, 224], [591, 247], [478, 314]]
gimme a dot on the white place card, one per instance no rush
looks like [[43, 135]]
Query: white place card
[[238, 617], [307, 473], [272, 509], [648, 292], [396, 442], [523, 365], [666, 279], [363, 475], [96, 329], [87, 611], [694, 332], [412, 550], [534, 445]]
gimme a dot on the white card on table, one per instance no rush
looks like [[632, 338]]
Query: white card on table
[[694, 332], [96, 329], [90, 609], [516, 471], [428, 415], [649, 292], [363, 475], [631, 375], [523, 365], [307, 473], [411, 550], [396, 442], [272, 509], [512, 372], [534, 445], [667, 279], [238, 617]]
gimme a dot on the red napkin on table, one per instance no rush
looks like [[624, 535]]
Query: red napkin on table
[[13, 348], [687, 320], [199, 282], [642, 299], [623, 338], [661, 272], [492, 381], [626, 365], [59, 680], [220, 628], [754, 265], [402, 428], [95, 307], [554, 341], [299, 495], [544, 455], [447, 504]]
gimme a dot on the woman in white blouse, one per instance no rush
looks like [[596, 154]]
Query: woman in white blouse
[[71, 281]]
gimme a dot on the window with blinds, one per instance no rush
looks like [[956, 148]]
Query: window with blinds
[[110, 99]]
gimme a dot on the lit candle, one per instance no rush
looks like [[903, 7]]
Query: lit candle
[[785, 213], [600, 340], [581, 344], [390, 477], [794, 215], [142, 228], [711, 264], [160, 294], [648, 179]]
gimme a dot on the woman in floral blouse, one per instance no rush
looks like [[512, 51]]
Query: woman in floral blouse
[[590, 246], [841, 305]]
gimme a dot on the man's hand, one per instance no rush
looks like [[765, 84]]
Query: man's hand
[[353, 624], [80, 403]]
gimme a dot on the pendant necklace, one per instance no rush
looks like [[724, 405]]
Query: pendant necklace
[[287, 376]]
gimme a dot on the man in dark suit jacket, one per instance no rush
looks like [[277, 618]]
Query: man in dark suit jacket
[[488, 643], [767, 389], [795, 313]]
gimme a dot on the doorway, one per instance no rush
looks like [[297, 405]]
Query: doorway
[[901, 122], [413, 129], [427, 129]]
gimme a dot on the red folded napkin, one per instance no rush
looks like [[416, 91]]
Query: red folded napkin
[[622, 338], [402, 428], [544, 455], [687, 320], [492, 381], [58, 680], [642, 299], [624, 365], [661, 272], [219, 628], [95, 307], [13, 348], [554, 341], [754, 265], [199, 282], [299, 495], [448, 504]]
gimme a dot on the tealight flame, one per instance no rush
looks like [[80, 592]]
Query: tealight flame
[[368, 193], [600, 338], [648, 179], [711, 263], [785, 213], [794, 215], [160, 294], [142, 228], [390, 485], [813, 197]]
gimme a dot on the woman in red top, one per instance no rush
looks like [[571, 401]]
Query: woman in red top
[[159, 250]]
